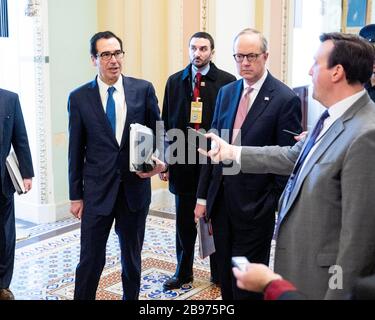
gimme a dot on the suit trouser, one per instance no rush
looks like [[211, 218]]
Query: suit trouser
[[95, 229], [186, 234], [232, 239], [7, 240]]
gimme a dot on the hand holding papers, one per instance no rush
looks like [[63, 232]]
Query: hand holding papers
[[141, 147], [142, 159], [205, 237], [14, 172]]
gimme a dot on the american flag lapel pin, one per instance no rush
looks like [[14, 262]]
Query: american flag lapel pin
[[266, 98]]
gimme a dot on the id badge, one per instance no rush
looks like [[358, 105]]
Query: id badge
[[196, 112]]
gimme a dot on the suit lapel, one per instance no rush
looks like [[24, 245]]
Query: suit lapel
[[333, 132], [130, 96], [259, 106], [231, 112], [96, 103]]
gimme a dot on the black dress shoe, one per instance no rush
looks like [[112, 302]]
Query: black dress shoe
[[176, 283], [6, 294]]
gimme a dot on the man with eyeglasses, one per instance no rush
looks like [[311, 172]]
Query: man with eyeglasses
[[188, 93], [102, 189], [254, 110]]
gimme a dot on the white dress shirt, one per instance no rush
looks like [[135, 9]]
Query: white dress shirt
[[335, 112], [256, 88]]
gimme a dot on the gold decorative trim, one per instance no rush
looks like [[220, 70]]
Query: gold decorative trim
[[204, 11], [284, 41], [259, 15], [181, 39]]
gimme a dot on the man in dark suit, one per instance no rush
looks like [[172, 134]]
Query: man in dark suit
[[102, 189], [252, 111], [182, 92], [12, 132]]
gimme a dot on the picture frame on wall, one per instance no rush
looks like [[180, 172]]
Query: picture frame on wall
[[355, 15], [4, 23]]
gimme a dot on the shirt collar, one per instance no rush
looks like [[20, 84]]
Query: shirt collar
[[103, 87], [203, 71], [257, 85], [339, 108]]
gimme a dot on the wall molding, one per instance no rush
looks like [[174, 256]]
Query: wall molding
[[204, 16], [284, 40], [40, 103]]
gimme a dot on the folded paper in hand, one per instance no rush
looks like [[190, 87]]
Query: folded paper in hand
[[206, 239], [141, 145], [14, 172]]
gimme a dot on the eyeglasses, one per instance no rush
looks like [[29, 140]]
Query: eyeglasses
[[251, 57], [106, 55]]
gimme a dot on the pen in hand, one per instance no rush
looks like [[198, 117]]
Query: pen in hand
[[291, 132]]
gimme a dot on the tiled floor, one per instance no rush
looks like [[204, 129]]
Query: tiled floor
[[47, 255], [45, 263]]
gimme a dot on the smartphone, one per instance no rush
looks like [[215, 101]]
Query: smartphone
[[240, 262], [203, 142], [291, 132]]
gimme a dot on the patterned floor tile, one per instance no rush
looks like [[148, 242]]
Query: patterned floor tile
[[45, 270]]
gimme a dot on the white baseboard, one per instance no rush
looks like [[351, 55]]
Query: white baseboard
[[41, 213], [54, 212], [161, 197]]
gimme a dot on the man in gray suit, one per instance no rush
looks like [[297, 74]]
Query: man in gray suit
[[326, 221]]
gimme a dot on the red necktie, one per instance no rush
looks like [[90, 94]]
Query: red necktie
[[241, 113], [196, 92]]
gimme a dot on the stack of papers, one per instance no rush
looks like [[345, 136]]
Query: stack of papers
[[205, 237], [14, 172], [141, 145]]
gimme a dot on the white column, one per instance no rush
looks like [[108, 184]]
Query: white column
[[52, 67]]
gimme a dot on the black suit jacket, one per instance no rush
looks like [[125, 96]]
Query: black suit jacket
[[183, 178], [276, 107], [13, 132], [97, 163]]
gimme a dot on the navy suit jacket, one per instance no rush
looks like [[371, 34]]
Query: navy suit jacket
[[13, 132], [275, 108], [97, 163]]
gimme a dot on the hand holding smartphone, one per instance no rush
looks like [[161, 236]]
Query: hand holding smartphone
[[240, 262]]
